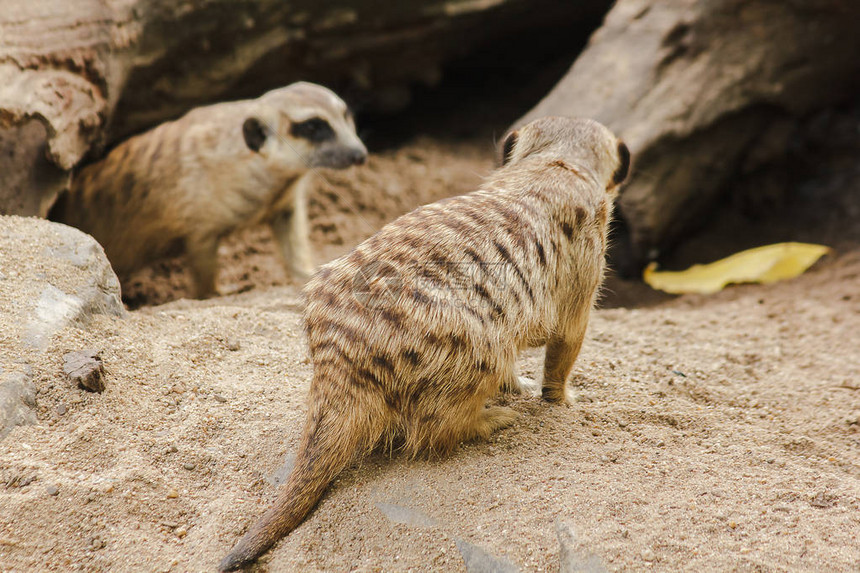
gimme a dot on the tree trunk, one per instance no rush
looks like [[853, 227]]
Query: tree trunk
[[702, 90]]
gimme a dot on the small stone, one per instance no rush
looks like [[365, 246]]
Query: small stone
[[189, 466], [661, 443], [648, 555], [172, 494], [770, 460], [61, 409], [51, 489], [219, 398], [172, 449], [180, 532], [96, 543], [233, 344], [733, 525], [85, 368]]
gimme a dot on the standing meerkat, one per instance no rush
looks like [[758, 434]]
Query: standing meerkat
[[185, 184], [414, 330]]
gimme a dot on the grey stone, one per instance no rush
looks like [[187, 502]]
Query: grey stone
[[478, 560], [572, 556], [405, 515], [54, 277], [17, 400], [85, 368], [281, 474]]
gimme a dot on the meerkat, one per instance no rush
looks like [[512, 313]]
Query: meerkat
[[413, 331], [185, 184]]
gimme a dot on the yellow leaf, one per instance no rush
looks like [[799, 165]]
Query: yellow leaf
[[760, 265]]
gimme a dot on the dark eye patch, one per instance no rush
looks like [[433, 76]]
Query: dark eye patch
[[315, 130]]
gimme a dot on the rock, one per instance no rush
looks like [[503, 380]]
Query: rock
[[85, 368], [405, 515], [702, 90], [52, 490], [17, 400], [572, 556], [189, 466], [62, 278], [51, 277], [478, 560], [281, 474]]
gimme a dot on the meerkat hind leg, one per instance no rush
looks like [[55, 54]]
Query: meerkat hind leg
[[561, 352], [493, 418]]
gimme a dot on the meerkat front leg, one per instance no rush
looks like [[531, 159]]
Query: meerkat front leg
[[203, 259], [561, 352], [292, 231]]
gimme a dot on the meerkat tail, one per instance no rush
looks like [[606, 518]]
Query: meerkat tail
[[329, 442]]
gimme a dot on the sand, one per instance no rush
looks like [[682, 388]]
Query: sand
[[707, 433]]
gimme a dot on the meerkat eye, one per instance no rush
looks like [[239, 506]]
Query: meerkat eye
[[315, 130]]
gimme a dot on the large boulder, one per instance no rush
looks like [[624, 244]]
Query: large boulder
[[702, 91], [51, 277]]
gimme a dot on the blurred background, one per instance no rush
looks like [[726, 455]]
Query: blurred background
[[743, 116]]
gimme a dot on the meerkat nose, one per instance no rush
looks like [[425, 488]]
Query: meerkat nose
[[358, 156]]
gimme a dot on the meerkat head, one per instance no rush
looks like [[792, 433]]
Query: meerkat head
[[581, 144], [304, 125]]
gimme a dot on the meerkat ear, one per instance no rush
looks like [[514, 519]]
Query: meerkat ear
[[255, 133], [624, 164], [508, 146]]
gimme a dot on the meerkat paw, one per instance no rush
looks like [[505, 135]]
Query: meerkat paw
[[302, 273], [494, 418], [514, 384], [561, 395], [528, 386]]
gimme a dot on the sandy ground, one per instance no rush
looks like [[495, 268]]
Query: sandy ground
[[707, 433]]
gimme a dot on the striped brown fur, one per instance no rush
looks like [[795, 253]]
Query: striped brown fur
[[218, 168], [416, 363]]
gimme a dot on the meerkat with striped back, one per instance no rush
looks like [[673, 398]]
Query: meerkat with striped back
[[185, 184], [419, 326]]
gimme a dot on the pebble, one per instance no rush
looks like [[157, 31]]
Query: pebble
[[219, 398], [172, 449], [733, 525], [180, 532], [96, 543], [172, 494], [52, 489], [648, 555], [61, 409], [189, 466], [233, 344]]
